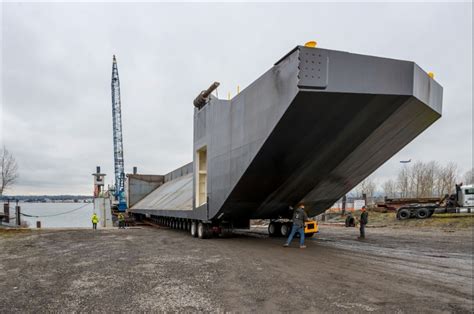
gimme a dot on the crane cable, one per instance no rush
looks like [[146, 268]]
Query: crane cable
[[63, 213]]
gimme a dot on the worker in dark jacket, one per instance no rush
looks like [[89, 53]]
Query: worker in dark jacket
[[299, 218], [364, 219], [350, 221]]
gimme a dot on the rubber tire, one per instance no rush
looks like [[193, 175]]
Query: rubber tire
[[226, 231], [285, 230], [274, 229], [308, 235], [403, 214], [193, 229], [422, 213], [203, 230]]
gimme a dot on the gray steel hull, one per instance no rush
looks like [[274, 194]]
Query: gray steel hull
[[308, 130], [323, 146]]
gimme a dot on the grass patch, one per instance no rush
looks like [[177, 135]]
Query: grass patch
[[451, 221], [10, 232]]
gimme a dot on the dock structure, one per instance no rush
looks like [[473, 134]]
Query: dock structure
[[308, 130]]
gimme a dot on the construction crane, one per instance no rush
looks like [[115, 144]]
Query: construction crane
[[118, 140]]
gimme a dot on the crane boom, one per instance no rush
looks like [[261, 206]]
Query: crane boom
[[118, 140]]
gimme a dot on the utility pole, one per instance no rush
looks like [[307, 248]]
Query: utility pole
[[344, 200]]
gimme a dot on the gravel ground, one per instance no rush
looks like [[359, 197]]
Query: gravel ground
[[151, 269]]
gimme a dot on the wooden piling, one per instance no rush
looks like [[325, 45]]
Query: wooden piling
[[6, 210], [18, 214]]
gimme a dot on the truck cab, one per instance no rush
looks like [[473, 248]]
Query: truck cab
[[466, 196]]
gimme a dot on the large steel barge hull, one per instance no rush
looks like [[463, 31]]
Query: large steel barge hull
[[308, 130]]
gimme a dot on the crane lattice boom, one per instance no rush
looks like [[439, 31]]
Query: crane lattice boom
[[117, 131]]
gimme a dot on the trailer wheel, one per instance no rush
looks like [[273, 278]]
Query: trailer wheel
[[422, 213], [404, 213], [194, 229], [285, 229], [226, 233], [226, 230], [274, 229], [203, 230]]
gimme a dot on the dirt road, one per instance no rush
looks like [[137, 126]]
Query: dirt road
[[158, 269]]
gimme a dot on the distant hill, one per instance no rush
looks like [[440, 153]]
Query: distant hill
[[46, 198]]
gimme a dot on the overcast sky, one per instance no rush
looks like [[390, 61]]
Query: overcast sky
[[56, 70]]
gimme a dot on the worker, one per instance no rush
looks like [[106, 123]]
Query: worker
[[364, 219], [121, 220], [350, 222], [299, 218], [95, 221]]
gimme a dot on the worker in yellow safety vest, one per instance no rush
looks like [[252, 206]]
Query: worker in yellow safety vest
[[95, 221], [121, 221]]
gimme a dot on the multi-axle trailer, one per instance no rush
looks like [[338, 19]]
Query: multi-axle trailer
[[308, 130]]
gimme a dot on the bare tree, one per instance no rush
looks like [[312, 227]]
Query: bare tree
[[8, 170], [390, 188], [426, 179], [469, 177], [422, 178], [403, 180], [430, 172], [446, 179], [366, 187]]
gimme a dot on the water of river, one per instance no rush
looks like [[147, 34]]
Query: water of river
[[71, 215]]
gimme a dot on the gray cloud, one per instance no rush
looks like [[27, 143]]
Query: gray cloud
[[56, 68]]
